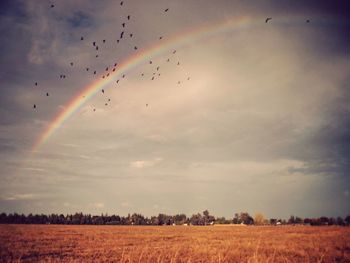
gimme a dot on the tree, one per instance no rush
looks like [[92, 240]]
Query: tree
[[259, 219]]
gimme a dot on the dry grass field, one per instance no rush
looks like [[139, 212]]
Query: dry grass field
[[54, 243]]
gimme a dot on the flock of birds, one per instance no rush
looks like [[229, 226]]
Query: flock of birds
[[110, 69]]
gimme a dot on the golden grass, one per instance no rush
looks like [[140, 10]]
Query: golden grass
[[54, 243]]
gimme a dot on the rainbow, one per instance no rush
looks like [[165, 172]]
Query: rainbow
[[138, 58]]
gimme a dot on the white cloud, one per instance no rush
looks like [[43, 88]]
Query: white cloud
[[16, 197], [145, 163]]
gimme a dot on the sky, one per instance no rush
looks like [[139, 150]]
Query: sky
[[245, 116]]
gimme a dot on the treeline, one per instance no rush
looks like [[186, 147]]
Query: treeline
[[200, 219]]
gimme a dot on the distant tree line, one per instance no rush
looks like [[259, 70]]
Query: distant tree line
[[199, 219]]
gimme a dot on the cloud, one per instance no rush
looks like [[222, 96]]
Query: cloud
[[18, 197], [140, 164]]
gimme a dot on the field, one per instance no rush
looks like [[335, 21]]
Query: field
[[54, 243]]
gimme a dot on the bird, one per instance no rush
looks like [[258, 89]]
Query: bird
[[94, 43], [152, 78], [160, 38], [96, 47], [121, 34], [115, 64], [268, 19], [82, 38], [131, 35], [307, 21], [117, 81], [106, 104], [158, 74], [178, 63], [121, 3], [128, 17], [123, 24], [107, 75], [157, 68], [142, 74], [103, 91], [103, 76], [146, 104], [117, 40], [94, 109], [150, 61], [135, 47], [87, 69], [47, 94], [52, 6], [36, 83], [107, 69], [178, 82], [188, 78], [113, 70], [104, 41], [97, 56], [71, 64], [166, 10], [34, 106], [174, 51], [109, 99], [95, 72], [168, 60], [123, 76]]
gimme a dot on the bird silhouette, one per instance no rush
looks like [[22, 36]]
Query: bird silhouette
[[178, 63], [71, 64], [95, 72], [121, 3], [82, 38], [131, 35], [47, 94], [160, 38], [150, 61], [308, 21], [103, 91], [104, 40], [157, 68], [36, 83], [135, 47], [34, 106], [115, 64], [152, 78], [166, 10], [128, 17], [146, 104], [87, 69], [123, 24], [268, 19], [123, 76], [174, 51], [107, 69], [52, 6], [121, 34], [94, 43]]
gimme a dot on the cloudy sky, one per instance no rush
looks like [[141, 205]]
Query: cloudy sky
[[254, 118]]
